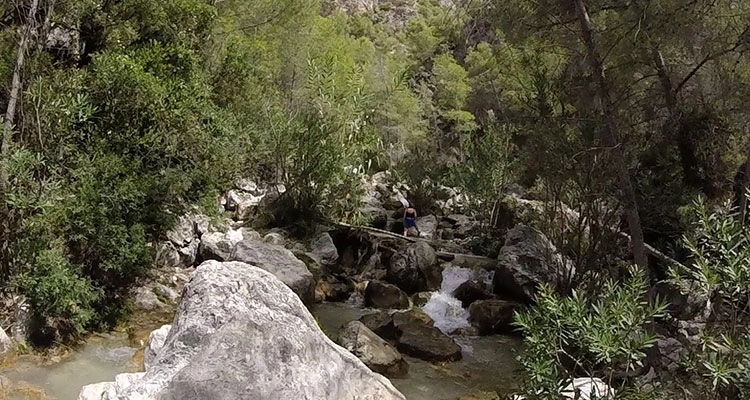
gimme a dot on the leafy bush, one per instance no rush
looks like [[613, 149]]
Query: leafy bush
[[602, 336], [719, 248], [61, 298]]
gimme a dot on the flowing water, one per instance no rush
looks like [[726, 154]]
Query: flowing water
[[99, 359], [488, 362]]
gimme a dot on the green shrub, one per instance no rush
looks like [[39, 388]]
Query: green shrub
[[62, 299], [598, 336]]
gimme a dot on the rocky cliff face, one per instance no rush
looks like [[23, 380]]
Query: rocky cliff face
[[396, 13]]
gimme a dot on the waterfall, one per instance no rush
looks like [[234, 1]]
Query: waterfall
[[447, 311]]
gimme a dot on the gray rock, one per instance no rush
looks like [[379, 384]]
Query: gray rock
[[274, 238], [420, 299], [427, 226], [375, 352], [156, 342], [278, 261], [166, 293], [527, 260], [96, 391], [247, 185], [414, 270], [240, 333], [145, 299], [492, 316], [6, 343], [215, 246], [323, 247], [427, 343], [242, 203], [471, 291], [168, 256], [183, 231], [189, 253], [385, 296]]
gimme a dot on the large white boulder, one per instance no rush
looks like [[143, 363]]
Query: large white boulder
[[240, 333], [279, 261]]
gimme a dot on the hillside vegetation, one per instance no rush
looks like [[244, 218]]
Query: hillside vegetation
[[122, 114]]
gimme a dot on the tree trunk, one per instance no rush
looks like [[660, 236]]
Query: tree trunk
[[610, 139], [15, 91]]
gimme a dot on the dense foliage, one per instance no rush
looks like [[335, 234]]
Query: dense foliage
[[130, 111]]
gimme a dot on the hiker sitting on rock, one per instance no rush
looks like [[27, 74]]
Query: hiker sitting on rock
[[410, 219]]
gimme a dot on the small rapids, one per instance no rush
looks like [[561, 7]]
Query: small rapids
[[447, 311]]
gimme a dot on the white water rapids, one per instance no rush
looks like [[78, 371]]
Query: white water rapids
[[447, 311]]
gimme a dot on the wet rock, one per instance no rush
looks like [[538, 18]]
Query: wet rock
[[385, 296], [240, 333], [412, 316], [527, 260], [381, 323], [375, 352], [492, 316], [471, 291], [420, 299], [323, 247], [427, 343], [410, 268], [156, 341], [215, 246], [278, 261], [330, 288]]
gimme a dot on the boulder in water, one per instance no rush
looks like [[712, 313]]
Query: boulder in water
[[410, 268], [492, 316], [381, 323], [156, 341], [527, 260], [412, 316], [420, 299], [385, 296], [240, 333], [330, 288], [375, 352], [427, 343], [278, 261], [471, 291]]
